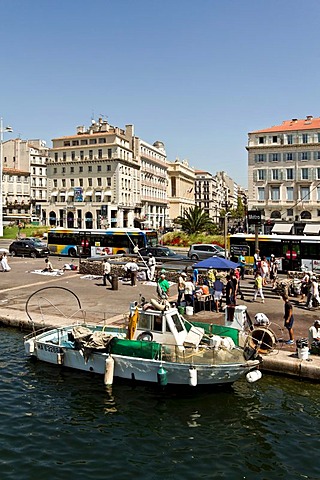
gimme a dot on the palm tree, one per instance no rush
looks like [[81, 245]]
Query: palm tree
[[194, 220]]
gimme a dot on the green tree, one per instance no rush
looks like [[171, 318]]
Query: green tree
[[194, 220]]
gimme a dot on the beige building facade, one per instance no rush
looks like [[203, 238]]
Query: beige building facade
[[181, 196], [284, 175]]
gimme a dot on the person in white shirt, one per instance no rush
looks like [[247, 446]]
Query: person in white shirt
[[106, 272], [151, 267], [181, 286], [314, 292], [189, 289], [314, 332]]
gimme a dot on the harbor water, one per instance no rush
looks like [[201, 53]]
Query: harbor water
[[60, 424]]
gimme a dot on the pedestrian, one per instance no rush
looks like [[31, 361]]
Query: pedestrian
[[189, 291], [230, 292], [256, 261], [151, 267], [4, 263], [258, 284], [237, 273], [314, 298], [274, 264], [211, 277], [163, 286], [234, 274], [107, 272], [314, 332], [181, 286], [218, 288], [134, 268], [242, 264], [264, 270], [288, 318], [135, 248], [48, 266]]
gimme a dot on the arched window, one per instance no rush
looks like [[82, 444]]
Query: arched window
[[52, 219], [88, 220], [275, 214], [70, 220], [305, 215]]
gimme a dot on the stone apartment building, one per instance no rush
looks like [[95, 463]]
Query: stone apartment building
[[104, 176], [181, 196], [284, 175], [24, 178]]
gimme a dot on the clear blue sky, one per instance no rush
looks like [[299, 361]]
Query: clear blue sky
[[198, 75]]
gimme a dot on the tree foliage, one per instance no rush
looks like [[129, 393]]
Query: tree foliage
[[194, 220]]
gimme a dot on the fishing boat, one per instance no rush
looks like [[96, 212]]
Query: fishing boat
[[158, 345]]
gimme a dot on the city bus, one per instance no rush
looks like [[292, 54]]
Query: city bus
[[111, 241], [294, 252]]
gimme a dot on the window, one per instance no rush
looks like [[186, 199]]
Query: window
[[261, 140], [109, 152], [90, 168], [73, 155], [304, 194], [304, 155], [90, 182], [290, 139], [55, 183], [290, 194], [108, 168], [261, 174], [304, 138], [275, 139], [100, 153], [109, 182], [102, 140], [55, 170], [275, 174], [93, 141], [318, 173], [289, 156], [99, 168], [81, 154], [99, 181], [80, 169], [275, 193], [64, 156], [289, 173], [75, 143], [71, 169], [72, 182], [318, 196], [66, 144], [261, 157], [81, 182], [304, 173], [63, 169], [290, 212], [56, 156], [64, 183], [90, 154], [261, 194], [84, 142], [275, 157]]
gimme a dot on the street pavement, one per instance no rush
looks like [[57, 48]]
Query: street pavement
[[102, 304]]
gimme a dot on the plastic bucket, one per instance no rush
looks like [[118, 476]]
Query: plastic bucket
[[181, 310], [303, 353], [189, 310]]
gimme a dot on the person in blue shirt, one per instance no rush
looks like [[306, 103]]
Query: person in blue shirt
[[195, 276]]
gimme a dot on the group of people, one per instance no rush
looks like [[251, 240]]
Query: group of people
[[310, 291], [268, 269]]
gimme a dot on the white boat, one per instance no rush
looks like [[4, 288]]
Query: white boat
[[158, 346]]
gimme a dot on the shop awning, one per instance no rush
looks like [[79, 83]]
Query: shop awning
[[70, 194], [88, 193], [98, 192], [311, 228], [282, 228], [54, 193]]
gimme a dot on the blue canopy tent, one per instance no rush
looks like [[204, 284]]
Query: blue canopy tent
[[218, 263]]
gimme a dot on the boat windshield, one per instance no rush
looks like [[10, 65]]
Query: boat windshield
[[177, 322]]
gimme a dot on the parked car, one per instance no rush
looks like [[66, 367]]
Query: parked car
[[30, 247], [162, 254], [200, 251]]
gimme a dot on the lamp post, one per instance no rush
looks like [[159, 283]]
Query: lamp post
[[2, 131], [226, 232]]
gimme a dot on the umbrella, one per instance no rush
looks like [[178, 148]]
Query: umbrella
[[218, 263]]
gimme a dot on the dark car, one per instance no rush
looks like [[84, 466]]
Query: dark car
[[162, 254], [29, 247]]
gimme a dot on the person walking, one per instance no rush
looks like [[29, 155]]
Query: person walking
[[264, 270], [314, 293], [151, 267], [274, 264], [107, 272], [181, 286], [258, 284], [242, 264], [256, 261], [288, 318], [163, 286]]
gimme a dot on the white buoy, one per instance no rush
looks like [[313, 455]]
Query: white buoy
[[29, 346], [253, 376], [109, 371], [60, 358], [193, 377]]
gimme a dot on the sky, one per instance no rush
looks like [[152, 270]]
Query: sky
[[197, 75]]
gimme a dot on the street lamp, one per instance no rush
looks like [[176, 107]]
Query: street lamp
[[2, 131], [226, 232]]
